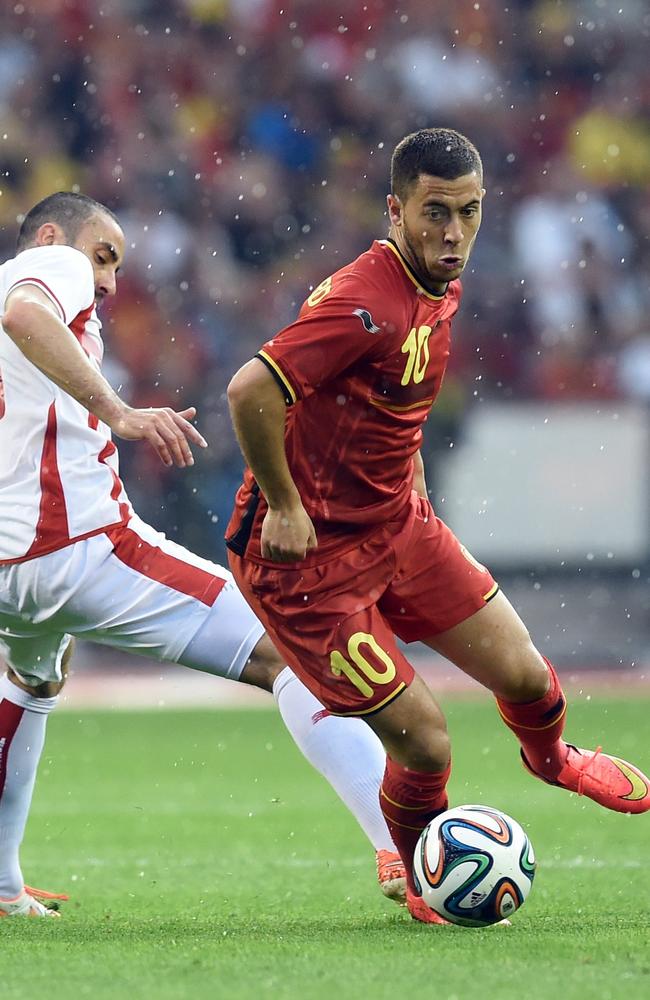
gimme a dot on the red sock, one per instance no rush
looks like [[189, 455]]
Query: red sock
[[409, 800], [538, 725]]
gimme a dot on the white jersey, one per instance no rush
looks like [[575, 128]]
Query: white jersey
[[58, 466]]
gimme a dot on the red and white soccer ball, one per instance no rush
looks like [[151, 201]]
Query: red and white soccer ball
[[474, 865]]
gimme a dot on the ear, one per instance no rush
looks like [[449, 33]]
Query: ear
[[394, 209], [48, 235]]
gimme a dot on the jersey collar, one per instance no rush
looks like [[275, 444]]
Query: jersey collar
[[411, 273]]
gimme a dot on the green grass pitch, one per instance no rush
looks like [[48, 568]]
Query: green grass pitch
[[205, 858]]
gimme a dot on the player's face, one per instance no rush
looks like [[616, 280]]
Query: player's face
[[436, 225], [102, 241]]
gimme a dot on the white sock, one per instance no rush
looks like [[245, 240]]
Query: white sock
[[22, 735], [345, 751]]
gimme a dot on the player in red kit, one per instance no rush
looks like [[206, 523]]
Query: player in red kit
[[333, 540]]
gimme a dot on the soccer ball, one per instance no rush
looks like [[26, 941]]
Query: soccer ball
[[474, 865]]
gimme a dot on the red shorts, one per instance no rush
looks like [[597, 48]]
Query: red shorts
[[336, 622]]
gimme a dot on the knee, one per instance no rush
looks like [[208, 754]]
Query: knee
[[425, 731], [263, 665], [46, 689], [413, 730], [428, 750], [528, 678], [420, 741]]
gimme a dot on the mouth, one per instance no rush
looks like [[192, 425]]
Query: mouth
[[450, 262]]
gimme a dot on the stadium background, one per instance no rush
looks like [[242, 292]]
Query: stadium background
[[246, 150]]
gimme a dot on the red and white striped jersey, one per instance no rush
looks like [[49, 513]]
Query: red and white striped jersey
[[58, 466]]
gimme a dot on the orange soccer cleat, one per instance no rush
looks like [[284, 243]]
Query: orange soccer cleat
[[391, 876], [609, 781]]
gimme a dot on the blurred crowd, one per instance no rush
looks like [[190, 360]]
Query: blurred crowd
[[245, 145]]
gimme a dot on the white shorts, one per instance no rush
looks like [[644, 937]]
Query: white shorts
[[130, 588]]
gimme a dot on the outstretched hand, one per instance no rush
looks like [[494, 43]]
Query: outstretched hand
[[167, 431]]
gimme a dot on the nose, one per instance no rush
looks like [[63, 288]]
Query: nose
[[107, 284], [453, 233]]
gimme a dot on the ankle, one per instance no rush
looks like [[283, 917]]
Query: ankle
[[547, 761]]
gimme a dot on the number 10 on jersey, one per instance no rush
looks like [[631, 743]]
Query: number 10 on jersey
[[366, 675]]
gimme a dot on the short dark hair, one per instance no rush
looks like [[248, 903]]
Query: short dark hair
[[440, 152], [67, 209]]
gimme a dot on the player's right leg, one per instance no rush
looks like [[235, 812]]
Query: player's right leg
[[353, 661], [418, 764], [24, 709]]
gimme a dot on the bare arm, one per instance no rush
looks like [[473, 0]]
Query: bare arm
[[419, 478], [258, 415], [32, 322]]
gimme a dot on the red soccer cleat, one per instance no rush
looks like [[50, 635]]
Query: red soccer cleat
[[420, 911], [609, 781]]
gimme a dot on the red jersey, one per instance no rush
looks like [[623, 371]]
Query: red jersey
[[360, 369]]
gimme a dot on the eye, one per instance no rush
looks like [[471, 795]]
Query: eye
[[469, 211]]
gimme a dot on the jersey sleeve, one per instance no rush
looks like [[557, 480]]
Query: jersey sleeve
[[335, 328], [63, 273]]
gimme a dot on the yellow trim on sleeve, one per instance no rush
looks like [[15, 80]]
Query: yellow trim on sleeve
[[491, 592], [283, 378]]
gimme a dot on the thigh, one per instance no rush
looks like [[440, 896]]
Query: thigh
[[325, 622], [30, 643], [438, 583], [131, 589], [157, 599], [494, 647]]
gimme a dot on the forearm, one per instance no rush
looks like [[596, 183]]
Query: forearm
[[48, 343], [259, 414], [419, 478]]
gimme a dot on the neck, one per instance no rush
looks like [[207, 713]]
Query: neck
[[402, 244]]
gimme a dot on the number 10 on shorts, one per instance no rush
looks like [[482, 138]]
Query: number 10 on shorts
[[363, 674]]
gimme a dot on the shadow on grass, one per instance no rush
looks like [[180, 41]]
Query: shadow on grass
[[295, 931], [292, 931]]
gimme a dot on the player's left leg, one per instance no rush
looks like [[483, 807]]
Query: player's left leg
[[448, 600], [345, 751], [351, 758], [494, 647]]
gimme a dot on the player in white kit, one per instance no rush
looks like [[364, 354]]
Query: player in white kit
[[75, 560]]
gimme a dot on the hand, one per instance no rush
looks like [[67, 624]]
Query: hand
[[287, 534], [167, 431]]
